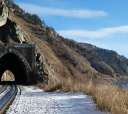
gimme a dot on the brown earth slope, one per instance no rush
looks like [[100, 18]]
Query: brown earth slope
[[58, 59]]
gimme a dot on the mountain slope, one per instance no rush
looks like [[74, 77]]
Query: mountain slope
[[118, 63], [57, 58]]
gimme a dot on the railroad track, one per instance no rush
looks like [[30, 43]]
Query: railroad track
[[7, 98], [3, 88]]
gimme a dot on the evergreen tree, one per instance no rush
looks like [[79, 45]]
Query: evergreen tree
[[36, 19]]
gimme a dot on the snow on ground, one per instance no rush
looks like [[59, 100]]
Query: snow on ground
[[35, 101]]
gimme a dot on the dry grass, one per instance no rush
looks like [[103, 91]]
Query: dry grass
[[111, 98], [107, 98]]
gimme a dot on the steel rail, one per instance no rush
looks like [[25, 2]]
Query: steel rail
[[3, 88], [10, 96]]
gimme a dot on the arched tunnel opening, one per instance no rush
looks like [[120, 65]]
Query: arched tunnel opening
[[12, 62], [8, 76]]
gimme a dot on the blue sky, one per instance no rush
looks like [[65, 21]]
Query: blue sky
[[103, 23]]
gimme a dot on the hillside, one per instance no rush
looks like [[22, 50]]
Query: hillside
[[116, 63], [55, 59], [58, 60], [58, 57], [66, 65]]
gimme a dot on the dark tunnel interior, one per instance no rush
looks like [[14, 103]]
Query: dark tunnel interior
[[13, 63]]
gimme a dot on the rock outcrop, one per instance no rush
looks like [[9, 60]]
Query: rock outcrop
[[41, 72], [3, 13], [12, 30], [8, 28]]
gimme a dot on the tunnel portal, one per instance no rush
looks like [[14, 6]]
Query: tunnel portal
[[20, 60]]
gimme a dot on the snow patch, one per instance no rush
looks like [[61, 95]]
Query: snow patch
[[36, 101]]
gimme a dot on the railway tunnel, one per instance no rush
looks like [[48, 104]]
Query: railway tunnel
[[20, 60], [13, 63]]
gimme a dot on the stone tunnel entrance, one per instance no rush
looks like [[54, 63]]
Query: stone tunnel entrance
[[20, 59], [13, 63]]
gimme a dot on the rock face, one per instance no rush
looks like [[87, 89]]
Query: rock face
[[42, 73], [8, 28], [3, 13], [13, 30]]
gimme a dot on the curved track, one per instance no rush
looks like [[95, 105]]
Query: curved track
[[3, 88], [7, 96]]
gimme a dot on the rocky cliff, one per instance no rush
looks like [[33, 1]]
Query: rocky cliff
[[9, 30], [3, 13]]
